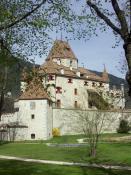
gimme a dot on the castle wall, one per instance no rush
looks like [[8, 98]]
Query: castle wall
[[68, 96], [71, 121]]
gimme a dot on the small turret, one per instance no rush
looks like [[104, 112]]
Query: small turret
[[105, 75]]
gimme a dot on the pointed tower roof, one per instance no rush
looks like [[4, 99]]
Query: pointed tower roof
[[61, 49], [105, 74], [34, 90]]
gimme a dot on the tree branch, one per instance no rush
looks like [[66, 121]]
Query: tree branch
[[121, 17], [23, 17], [104, 17]]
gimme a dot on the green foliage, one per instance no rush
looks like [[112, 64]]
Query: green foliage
[[123, 126], [97, 100], [26, 30]]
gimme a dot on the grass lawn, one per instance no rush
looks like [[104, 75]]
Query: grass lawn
[[113, 153], [9, 167]]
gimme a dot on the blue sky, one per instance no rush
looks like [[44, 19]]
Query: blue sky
[[96, 52]]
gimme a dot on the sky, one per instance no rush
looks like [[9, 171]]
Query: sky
[[95, 52]]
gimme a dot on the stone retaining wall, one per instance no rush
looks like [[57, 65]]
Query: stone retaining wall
[[70, 121]]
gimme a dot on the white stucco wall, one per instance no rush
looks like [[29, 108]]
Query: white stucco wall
[[68, 97], [41, 125]]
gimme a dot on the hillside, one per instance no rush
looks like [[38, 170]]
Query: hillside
[[113, 80]]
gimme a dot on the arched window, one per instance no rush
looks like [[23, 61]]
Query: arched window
[[33, 136]]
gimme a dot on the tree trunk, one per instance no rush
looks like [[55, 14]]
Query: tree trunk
[[127, 48], [93, 152], [1, 103]]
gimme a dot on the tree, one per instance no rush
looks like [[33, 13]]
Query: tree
[[123, 126], [24, 28], [93, 125], [113, 14], [25, 24]]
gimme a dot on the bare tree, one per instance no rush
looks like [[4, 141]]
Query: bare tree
[[93, 124]]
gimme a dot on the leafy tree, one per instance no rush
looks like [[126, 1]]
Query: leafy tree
[[25, 24], [24, 28], [123, 126], [109, 14]]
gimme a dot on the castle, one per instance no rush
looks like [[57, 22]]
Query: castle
[[58, 83]]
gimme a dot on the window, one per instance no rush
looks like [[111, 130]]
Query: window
[[16, 109], [75, 91], [50, 77], [69, 80], [32, 116], [58, 90], [32, 136], [70, 62], [75, 104], [32, 105], [93, 84], [101, 84], [85, 83], [58, 103], [81, 75]]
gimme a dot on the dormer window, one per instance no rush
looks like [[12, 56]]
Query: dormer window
[[78, 74], [81, 75], [85, 83], [50, 77], [62, 71], [70, 80], [58, 90]]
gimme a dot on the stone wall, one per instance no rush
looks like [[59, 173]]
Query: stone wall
[[70, 121]]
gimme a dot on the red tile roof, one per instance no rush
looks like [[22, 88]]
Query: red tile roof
[[62, 50], [34, 90], [50, 67]]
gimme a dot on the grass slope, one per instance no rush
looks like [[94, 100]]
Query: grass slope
[[109, 153]]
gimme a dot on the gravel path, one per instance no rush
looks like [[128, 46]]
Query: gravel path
[[67, 163]]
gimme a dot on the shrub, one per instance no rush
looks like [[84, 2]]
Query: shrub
[[123, 127], [56, 132]]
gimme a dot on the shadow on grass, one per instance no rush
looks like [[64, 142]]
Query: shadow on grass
[[4, 142], [11, 167], [102, 171]]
